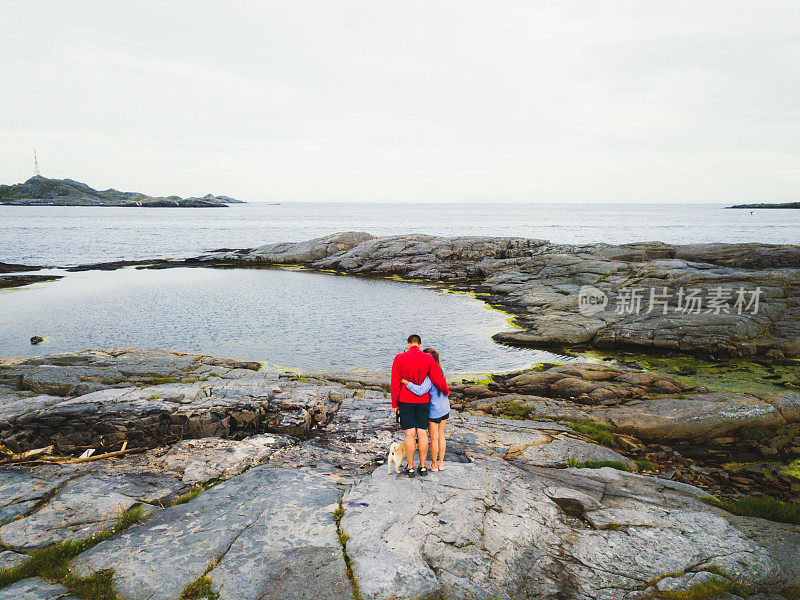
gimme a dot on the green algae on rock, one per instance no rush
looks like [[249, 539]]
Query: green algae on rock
[[755, 375]]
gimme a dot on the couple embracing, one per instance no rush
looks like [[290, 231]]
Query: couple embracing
[[419, 398]]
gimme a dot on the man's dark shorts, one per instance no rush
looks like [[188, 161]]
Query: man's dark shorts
[[414, 415]]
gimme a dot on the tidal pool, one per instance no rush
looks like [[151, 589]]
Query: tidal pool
[[291, 318]]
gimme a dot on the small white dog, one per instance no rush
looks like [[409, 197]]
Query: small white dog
[[397, 452]]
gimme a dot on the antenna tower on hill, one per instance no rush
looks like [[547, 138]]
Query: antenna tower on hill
[[36, 171]]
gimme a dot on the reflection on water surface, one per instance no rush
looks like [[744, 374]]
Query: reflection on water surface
[[299, 319]]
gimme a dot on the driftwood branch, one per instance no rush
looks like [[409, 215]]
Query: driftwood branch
[[44, 455], [9, 457], [101, 456]]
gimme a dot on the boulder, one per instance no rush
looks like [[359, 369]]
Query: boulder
[[587, 383], [692, 416], [564, 448], [295, 252]]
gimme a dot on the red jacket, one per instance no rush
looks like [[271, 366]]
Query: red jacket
[[414, 365]]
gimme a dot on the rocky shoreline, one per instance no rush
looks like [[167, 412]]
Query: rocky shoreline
[[768, 205], [171, 475], [579, 481], [14, 281], [710, 300], [17, 280], [541, 282], [43, 191]]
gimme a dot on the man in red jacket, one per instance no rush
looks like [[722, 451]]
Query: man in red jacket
[[414, 366]]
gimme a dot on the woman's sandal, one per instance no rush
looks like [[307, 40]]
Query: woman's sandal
[[422, 471], [440, 467], [409, 472], [434, 469]]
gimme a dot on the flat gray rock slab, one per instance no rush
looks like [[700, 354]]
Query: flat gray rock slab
[[35, 589], [490, 529], [715, 414], [14, 404], [458, 531], [195, 397], [249, 533], [562, 448], [542, 443], [781, 539], [644, 527], [296, 252], [200, 460], [23, 487], [74, 501], [9, 559], [500, 435]]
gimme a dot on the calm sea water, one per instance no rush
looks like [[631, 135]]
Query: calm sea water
[[298, 319], [56, 235], [293, 318]]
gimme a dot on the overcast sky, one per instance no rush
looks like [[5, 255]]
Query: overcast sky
[[523, 101]]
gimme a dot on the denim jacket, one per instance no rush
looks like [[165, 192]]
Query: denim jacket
[[440, 404]]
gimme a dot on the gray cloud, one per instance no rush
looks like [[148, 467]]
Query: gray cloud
[[445, 101]]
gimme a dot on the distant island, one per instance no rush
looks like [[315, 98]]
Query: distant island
[[784, 205], [41, 191]]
